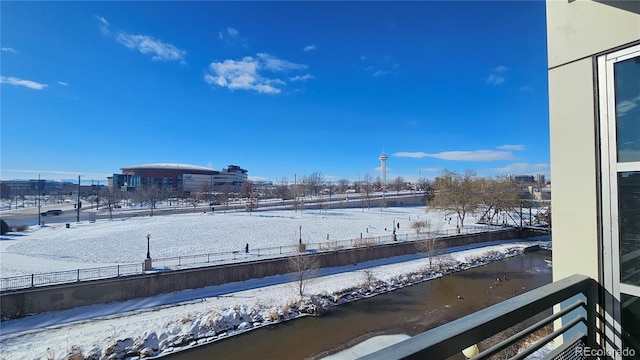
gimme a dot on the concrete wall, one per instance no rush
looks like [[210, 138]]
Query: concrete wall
[[16, 304]]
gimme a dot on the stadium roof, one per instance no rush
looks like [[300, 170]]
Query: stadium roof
[[166, 166]]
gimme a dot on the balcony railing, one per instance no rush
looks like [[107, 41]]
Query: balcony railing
[[576, 295]]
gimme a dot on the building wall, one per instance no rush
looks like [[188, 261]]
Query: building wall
[[581, 28], [577, 31], [573, 170]]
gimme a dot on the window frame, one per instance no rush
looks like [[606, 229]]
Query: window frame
[[610, 168]]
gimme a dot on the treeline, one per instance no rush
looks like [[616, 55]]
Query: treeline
[[465, 193]]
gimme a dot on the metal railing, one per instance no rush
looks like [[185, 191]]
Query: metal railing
[[578, 325], [180, 262], [61, 277]]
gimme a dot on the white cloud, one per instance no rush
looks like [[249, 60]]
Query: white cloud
[[309, 47], [8, 49], [501, 69], [242, 75], [497, 76], [103, 26], [102, 20], [380, 66], [494, 79], [63, 83], [231, 37], [476, 155], [20, 82], [232, 32], [304, 77], [228, 33], [511, 147], [159, 50], [274, 64], [248, 73]]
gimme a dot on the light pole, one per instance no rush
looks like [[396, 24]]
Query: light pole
[[148, 266], [300, 239], [148, 252], [38, 191]]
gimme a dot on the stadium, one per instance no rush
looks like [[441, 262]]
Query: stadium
[[178, 177]]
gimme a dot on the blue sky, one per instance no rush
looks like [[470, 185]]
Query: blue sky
[[282, 89]]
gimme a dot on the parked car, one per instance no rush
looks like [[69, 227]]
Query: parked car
[[52, 212]]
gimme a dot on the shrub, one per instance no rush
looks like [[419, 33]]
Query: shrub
[[4, 227], [22, 227]]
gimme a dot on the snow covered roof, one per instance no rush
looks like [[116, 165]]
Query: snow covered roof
[[168, 166]]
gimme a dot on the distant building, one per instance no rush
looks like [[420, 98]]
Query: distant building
[[178, 177], [522, 178], [32, 186], [383, 169], [539, 178]]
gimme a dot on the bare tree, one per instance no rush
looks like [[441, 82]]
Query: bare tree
[[150, 195], [193, 200], [456, 194], [426, 187], [398, 184], [223, 195], [343, 185], [367, 187], [109, 198], [314, 183], [497, 195], [246, 191], [377, 184], [282, 190], [429, 244], [418, 226], [303, 267]]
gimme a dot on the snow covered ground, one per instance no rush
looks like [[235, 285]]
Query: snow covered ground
[[123, 241], [171, 322]]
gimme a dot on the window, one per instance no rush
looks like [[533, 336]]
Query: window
[[619, 93]]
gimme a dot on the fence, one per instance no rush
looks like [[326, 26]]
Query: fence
[[63, 277]]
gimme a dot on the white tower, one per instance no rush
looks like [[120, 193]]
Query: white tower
[[383, 169]]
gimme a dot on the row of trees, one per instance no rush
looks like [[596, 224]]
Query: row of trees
[[465, 193], [454, 193]]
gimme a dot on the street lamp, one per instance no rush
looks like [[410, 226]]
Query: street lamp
[[148, 253]]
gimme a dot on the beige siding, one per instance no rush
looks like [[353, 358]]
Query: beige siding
[[572, 138], [583, 27]]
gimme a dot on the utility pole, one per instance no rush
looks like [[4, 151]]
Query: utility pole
[[78, 202], [98, 195]]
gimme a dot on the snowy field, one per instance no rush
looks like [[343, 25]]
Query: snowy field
[[123, 241], [171, 322]]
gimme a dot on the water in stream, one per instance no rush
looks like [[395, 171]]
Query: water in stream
[[409, 311]]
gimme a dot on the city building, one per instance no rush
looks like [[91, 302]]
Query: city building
[[522, 178], [178, 177]]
